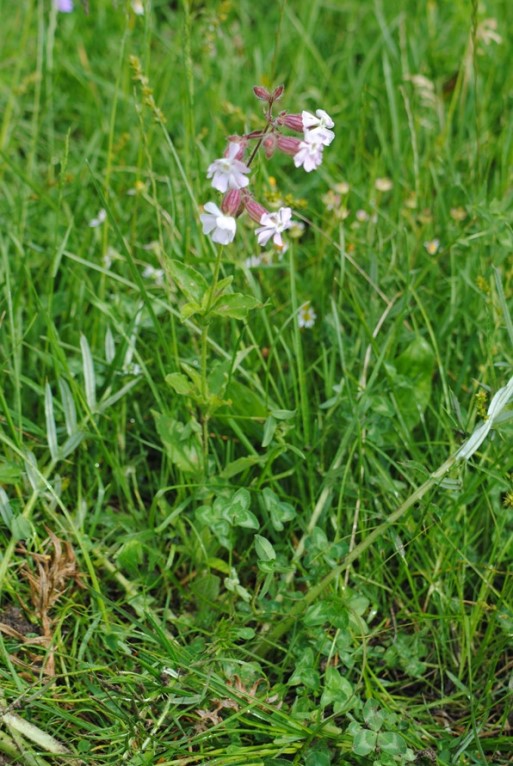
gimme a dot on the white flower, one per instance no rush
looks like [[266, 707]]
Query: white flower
[[221, 228], [227, 172], [138, 7], [253, 262], [494, 415], [309, 154], [100, 218], [318, 126], [272, 226], [362, 216], [157, 275], [383, 184], [306, 316], [64, 6], [432, 246]]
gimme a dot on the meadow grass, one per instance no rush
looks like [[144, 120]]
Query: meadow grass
[[226, 539]]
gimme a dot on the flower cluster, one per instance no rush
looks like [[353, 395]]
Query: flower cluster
[[230, 173]]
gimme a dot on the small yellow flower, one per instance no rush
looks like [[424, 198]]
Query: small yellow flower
[[458, 213]]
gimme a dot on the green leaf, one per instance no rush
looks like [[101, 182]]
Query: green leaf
[[412, 383], [189, 309], [235, 305], [209, 516], [181, 441], [131, 555], [179, 383], [264, 549], [240, 465], [338, 691], [9, 472], [305, 673], [191, 282], [324, 612], [392, 743], [21, 529], [364, 742], [279, 511], [373, 715], [236, 510], [269, 431]]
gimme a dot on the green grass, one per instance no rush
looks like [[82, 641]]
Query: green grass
[[231, 541]]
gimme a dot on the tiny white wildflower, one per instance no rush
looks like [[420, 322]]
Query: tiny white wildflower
[[156, 275], [100, 218], [306, 316], [383, 184], [64, 6], [253, 262], [273, 224], [138, 7], [228, 172], [362, 216], [309, 154], [318, 126], [221, 228], [432, 246]]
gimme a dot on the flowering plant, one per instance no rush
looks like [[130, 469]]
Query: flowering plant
[[230, 173]]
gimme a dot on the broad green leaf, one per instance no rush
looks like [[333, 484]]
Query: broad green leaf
[[269, 431], [179, 383], [338, 691], [181, 441], [392, 742], [364, 742], [236, 510], [279, 511], [189, 309], [210, 517], [191, 282], [326, 611], [305, 672], [9, 472], [222, 286], [21, 529], [412, 382], [235, 305], [373, 715], [264, 549]]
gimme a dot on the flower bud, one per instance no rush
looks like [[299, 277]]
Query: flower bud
[[269, 145], [292, 121], [262, 93], [254, 208], [232, 203], [241, 141], [278, 92], [288, 145]]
